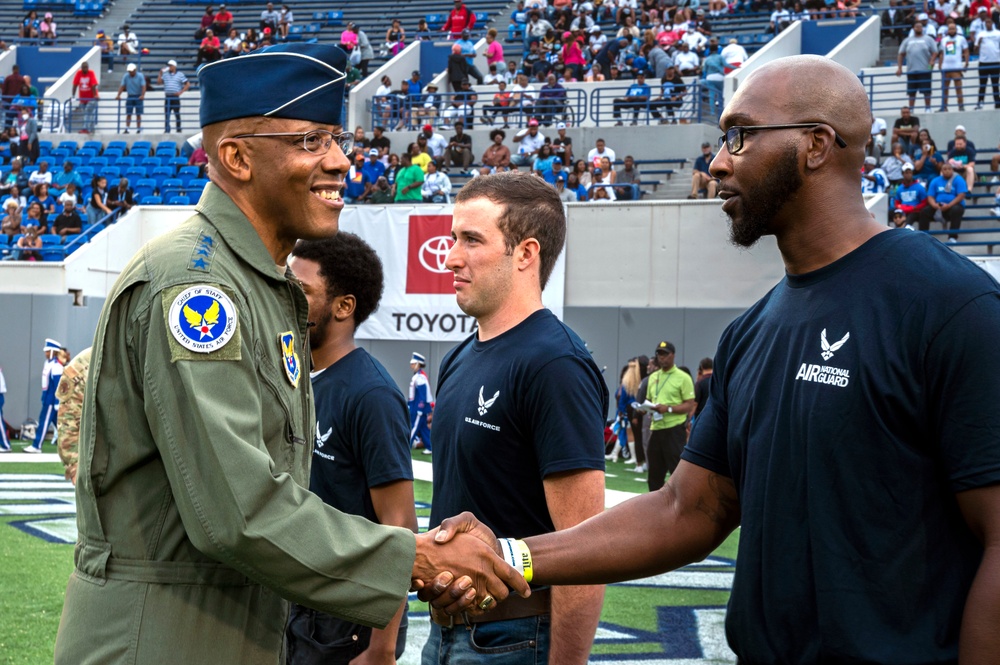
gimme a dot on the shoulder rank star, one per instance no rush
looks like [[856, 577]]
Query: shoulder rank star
[[290, 359]]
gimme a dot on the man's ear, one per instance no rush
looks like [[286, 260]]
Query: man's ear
[[233, 159], [344, 307]]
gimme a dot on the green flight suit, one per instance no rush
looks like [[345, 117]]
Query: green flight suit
[[194, 519]]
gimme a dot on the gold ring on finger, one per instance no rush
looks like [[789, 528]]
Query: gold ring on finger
[[486, 603]]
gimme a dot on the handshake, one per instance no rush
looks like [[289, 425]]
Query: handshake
[[460, 567]]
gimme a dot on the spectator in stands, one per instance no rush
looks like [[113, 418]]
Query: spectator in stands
[[781, 18], [33, 218], [222, 21], [423, 32], [987, 45], [46, 201], [601, 188], [395, 37], [270, 17], [128, 42], [11, 224], [267, 39], [876, 145], [199, 158], [431, 106], [873, 179], [466, 99], [409, 180], [573, 185], [392, 168], [207, 19], [494, 49], [349, 42], [927, 162], [383, 103], [436, 187], [356, 186], [458, 67], [361, 142], [600, 150], [533, 62], [107, 46], [459, 150], [68, 220], [919, 52], [627, 175], [210, 49], [581, 169], [121, 198], [419, 153], [30, 240], [47, 29], [893, 164], [381, 143], [910, 197], [15, 177], [68, 176], [686, 60], [286, 21], [542, 164], [85, 89], [552, 100], [459, 18], [896, 19], [493, 77], [535, 28], [713, 70], [16, 195], [522, 95], [366, 50], [251, 41], [962, 158], [497, 155], [960, 133], [71, 194], [134, 86], [12, 84], [636, 99], [905, 129], [174, 85], [701, 178], [530, 141], [42, 175], [468, 49], [373, 169], [946, 194], [233, 45], [899, 220], [562, 145], [381, 193], [97, 206], [436, 143], [953, 60], [29, 25]]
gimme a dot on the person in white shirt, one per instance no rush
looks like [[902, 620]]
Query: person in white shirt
[[734, 54], [493, 78], [128, 42], [531, 141], [879, 130], [953, 60], [695, 41], [600, 150], [687, 61], [977, 24], [522, 94], [988, 47], [436, 143], [930, 29], [233, 45], [781, 18], [382, 101], [437, 185]]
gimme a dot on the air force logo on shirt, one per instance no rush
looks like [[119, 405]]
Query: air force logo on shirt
[[321, 441], [834, 376], [484, 406]]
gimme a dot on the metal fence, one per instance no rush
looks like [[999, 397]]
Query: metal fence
[[890, 91], [44, 109], [690, 102]]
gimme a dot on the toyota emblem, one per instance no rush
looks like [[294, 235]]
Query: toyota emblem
[[434, 253]]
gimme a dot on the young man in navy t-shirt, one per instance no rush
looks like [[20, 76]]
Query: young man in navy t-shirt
[[361, 459], [852, 429], [519, 419]]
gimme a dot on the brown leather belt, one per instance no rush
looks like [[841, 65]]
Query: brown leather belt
[[515, 607]]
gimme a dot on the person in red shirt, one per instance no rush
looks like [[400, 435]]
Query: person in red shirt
[[223, 21], [460, 18], [85, 82], [210, 49]]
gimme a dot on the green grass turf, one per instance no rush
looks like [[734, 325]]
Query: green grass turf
[[33, 578]]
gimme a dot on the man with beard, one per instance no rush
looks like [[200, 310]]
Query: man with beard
[[361, 460], [519, 420], [852, 428]]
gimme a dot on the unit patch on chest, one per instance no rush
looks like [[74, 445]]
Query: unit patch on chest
[[203, 323]]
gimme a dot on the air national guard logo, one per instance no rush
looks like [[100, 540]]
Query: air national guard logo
[[202, 319], [289, 358]]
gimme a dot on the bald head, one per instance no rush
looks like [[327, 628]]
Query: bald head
[[808, 88]]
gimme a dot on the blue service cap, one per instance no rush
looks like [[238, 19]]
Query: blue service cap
[[418, 358], [52, 345], [296, 81]]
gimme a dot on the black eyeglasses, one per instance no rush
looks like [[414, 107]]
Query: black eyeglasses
[[733, 138], [318, 141]]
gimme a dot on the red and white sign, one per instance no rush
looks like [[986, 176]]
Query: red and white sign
[[419, 298]]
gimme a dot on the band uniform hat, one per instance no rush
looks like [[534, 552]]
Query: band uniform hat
[[665, 347], [305, 82], [418, 358], [52, 345]]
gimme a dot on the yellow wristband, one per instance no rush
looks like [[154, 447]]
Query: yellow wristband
[[524, 557]]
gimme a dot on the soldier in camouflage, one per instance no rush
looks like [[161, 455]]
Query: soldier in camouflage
[[70, 396]]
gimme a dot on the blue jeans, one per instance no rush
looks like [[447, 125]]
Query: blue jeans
[[515, 642], [89, 114]]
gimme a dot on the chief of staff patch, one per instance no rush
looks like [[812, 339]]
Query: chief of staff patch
[[202, 319]]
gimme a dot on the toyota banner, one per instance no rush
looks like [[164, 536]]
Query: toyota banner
[[419, 298]]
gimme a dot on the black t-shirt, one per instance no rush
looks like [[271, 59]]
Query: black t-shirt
[[362, 433], [511, 411], [701, 393], [464, 139], [381, 142], [67, 221], [849, 406], [560, 145]]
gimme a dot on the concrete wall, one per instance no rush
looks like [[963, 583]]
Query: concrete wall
[[62, 88], [397, 69], [861, 48]]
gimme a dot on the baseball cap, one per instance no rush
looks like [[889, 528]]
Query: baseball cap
[[871, 160], [171, 63], [595, 28], [373, 152], [533, 123], [898, 211], [598, 171], [981, 10], [427, 128], [706, 144], [907, 166], [923, 17], [557, 160], [665, 347], [131, 67], [415, 72], [959, 128], [561, 125]]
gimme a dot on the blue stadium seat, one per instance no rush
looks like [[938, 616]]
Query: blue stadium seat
[[86, 154], [116, 145], [161, 173], [112, 173], [136, 173], [4, 241], [171, 187], [179, 201], [44, 147], [113, 153], [98, 162], [124, 162], [141, 149], [96, 146], [195, 186], [335, 18], [86, 173], [151, 162], [295, 31], [482, 18], [75, 160], [188, 172], [71, 243], [177, 162], [144, 187], [168, 148], [152, 201], [68, 146]]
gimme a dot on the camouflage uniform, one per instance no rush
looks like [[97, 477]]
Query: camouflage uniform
[[70, 396]]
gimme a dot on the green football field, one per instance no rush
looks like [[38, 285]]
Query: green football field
[[672, 619]]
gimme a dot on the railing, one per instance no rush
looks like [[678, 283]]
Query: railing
[[44, 109], [110, 115], [699, 101], [399, 112], [887, 91]]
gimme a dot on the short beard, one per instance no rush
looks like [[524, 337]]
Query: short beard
[[319, 331], [761, 202]]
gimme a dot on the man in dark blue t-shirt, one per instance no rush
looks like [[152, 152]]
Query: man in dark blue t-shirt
[[636, 98], [701, 178], [851, 430], [519, 419], [361, 460]]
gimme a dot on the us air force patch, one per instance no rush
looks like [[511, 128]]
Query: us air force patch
[[290, 359], [203, 321]]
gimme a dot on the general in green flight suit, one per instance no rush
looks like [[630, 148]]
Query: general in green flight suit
[[195, 524]]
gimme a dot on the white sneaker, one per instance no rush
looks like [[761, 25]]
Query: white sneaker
[[995, 211], [425, 452], [31, 449]]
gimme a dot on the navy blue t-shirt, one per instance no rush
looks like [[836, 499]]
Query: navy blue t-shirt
[[511, 411], [362, 433], [849, 405]]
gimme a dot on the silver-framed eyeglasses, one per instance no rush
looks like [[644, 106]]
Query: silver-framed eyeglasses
[[733, 138], [317, 141]]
